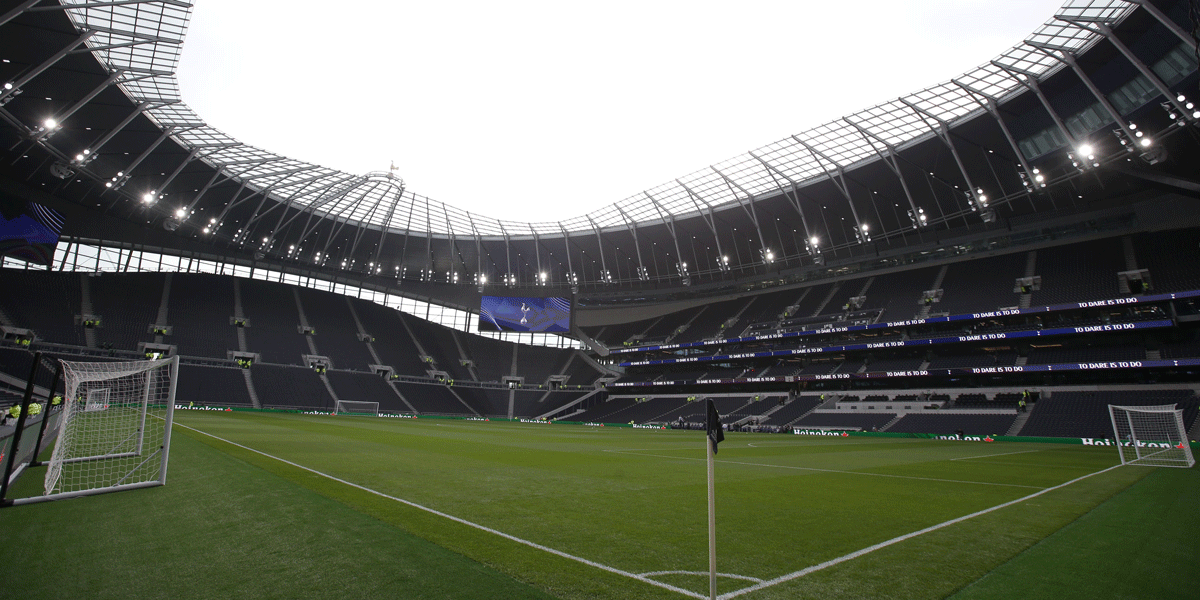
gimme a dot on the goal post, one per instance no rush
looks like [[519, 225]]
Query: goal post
[[357, 408], [1151, 436], [115, 429]]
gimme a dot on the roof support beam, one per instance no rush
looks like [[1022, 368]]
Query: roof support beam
[[643, 274], [1063, 55], [324, 196], [1147, 72], [600, 247], [567, 246], [1166, 21], [890, 158], [334, 231], [137, 161], [991, 105], [537, 252], [1030, 82], [670, 221], [99, 143], [747, 205], [706, 215], [15, 12], [66, 114], [383, 229], [26, 78], [108, 4], [943, 133], [838, 177], [793, 198]]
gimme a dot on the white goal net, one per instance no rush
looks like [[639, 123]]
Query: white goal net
[[115, 429], [1151, 435], [359, 408]]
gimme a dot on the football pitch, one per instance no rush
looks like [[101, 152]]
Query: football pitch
[[310, 506]]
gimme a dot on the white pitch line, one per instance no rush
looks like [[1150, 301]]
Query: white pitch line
[[897, 540], [704, 573], [734, 462], [991, 455], [506, 536]]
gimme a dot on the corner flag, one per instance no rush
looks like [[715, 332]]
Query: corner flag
[[715, 432]]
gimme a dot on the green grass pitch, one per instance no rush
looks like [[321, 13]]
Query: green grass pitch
[[370, 507]]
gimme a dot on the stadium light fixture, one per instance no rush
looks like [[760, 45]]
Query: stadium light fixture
[[768, 256], [148, 197], [723, 263], [918, 218], [863, 233], [181, 212]]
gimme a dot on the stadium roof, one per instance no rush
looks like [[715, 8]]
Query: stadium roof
[[836, 186]]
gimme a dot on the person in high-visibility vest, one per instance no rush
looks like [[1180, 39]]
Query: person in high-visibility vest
[[55, 401], [35, 408], [14, 411]]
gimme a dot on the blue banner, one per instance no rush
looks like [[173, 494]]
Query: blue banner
[[927, 321], [1092, 366], [983, 337]]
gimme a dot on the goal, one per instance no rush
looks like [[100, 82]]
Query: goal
[[115, 429], [1151, 435], [347, 407]]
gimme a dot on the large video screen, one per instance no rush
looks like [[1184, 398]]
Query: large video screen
[[543, 315], [28, 230]]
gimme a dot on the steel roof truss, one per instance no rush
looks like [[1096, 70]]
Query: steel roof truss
[[706, 213], [793, 198], [992, 106], [890, 158], [1106, 31], [942, 130], [49, 62], [670, 222], [838, 177], [1064, 55], [1166, 21], [1030, 82], [66, 114]]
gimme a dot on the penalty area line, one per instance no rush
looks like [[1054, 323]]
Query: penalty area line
[[459, 520], [897, 540]]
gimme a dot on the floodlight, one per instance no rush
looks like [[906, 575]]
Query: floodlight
[[50, 123], [1145, 142], [148, 197], [181, 213], [1086, 150], [8, 85]]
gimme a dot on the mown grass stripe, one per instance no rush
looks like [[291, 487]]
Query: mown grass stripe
[[897, 540], [459, 520]]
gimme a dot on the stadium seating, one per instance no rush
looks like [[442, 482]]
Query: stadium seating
[[865, 421], [212, 386], [336, 332], [951, 423], [1085, 414], [199, 311], [290, 387], [274, 322]]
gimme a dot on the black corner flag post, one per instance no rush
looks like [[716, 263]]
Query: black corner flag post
[[715, 435]]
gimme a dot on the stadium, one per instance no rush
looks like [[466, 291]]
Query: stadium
[[951, 339]]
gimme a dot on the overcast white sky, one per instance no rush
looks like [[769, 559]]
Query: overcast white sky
[[537, 111]]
